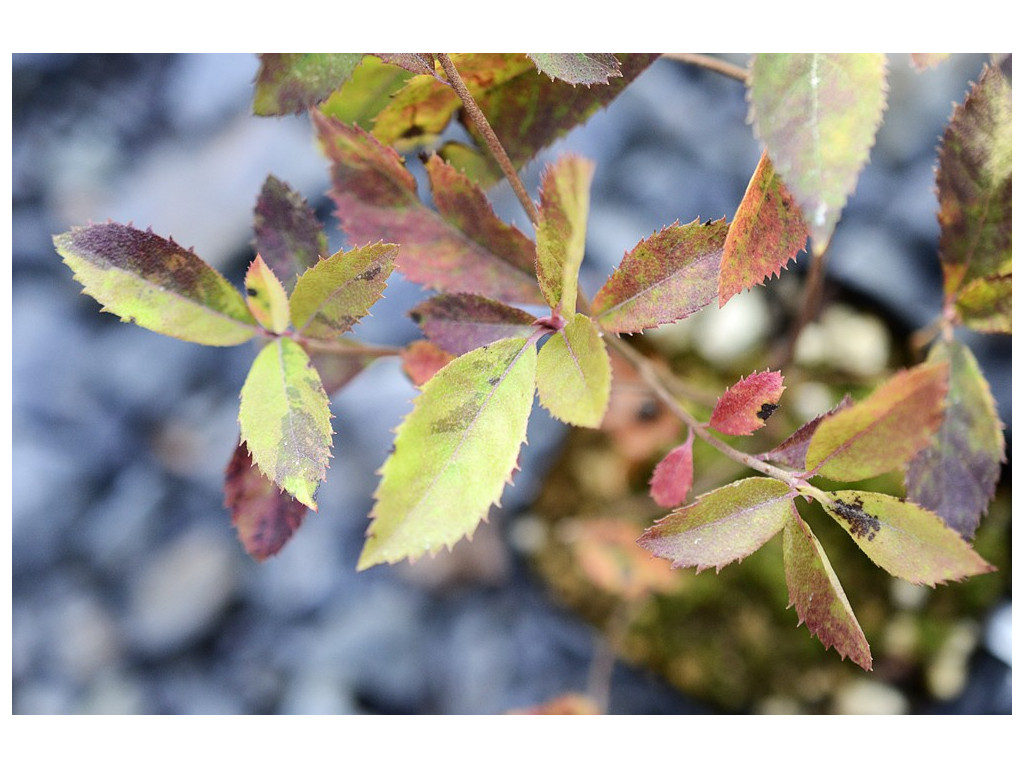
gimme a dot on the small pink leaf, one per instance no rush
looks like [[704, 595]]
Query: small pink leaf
[[673, 477], [747, 404], [422, 359]]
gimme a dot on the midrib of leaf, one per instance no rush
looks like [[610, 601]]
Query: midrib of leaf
[[815, 122], [462, 440], [636, 296], [845, 445], [284, 389]]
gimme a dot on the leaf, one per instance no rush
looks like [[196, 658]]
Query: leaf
[[157, 284], [562, 230], [288, 235], [665, 278], [417, 63], [333, 295], [907, 541], [722, 526], [566, 704], [453, 453], [369, 90], [974, 181], [817, 114], [286, 419], [421, 360], [459, 322], [766, 233], [264, 516], [463, 205], [577, 68], [526, 111], [289, 83], [746, 406], [606, 552], [266, 297], [673, 476], [986, 304], [817, 595], [792, 452], [376, 198], [923, 61], [574, 374], [956, 475], [883, 432]]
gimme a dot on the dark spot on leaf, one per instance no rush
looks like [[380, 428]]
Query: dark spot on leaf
[[251, 291], [369, 274], [861, 523], [767, 409], [412, 132], [493, 381], [416, 317]]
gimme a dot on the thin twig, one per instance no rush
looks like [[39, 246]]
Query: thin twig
[[710, 62], [490, 138]]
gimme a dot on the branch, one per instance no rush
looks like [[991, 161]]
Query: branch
[[489, 137], [711, 63]]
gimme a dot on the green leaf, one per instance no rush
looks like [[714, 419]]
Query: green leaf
[[956, 475], [577, 68], [883, 432], [286, 419], [266, 297], [459, 322], [907, 541], [974, 181], [289, 83], [264, 516], [332, 296], [792, 452], [453, 453], [574, 374], [157, 284], [288, 235], [369, 90], [562, 230], [765, 235], [747, 405], [376, 199], [817, 114], [665, 278], [722, 526], [817, 595]]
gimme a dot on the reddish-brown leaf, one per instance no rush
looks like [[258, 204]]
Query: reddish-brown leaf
[[459, 322], [765, 235], [376, 199], [665, 278], [422, 359], [606, 552], [673, 477], [264, 516], [817, 595], [747, 404], [288, 235]]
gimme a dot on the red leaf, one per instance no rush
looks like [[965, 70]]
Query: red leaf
[[264, 516], [422, 359], [673, 477], [747, 404], [459, 322], [766, 234]]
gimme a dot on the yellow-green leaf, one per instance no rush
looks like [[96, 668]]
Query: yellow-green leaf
[[453, 453], [721, 526], [883, 432], [817, 114], [155, 283], [562, 230], [908, 541], [574, 374], [286, 419], [265, 296], [334, 294], [289, 83]]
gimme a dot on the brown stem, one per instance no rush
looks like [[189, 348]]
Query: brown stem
[[710, 62], [813, 289], [490, 138]]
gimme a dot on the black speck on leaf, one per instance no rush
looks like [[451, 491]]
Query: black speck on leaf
[[251, 291], [861, 523], [767, 409]]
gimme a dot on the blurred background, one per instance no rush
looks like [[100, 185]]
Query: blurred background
[[130, 591]]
